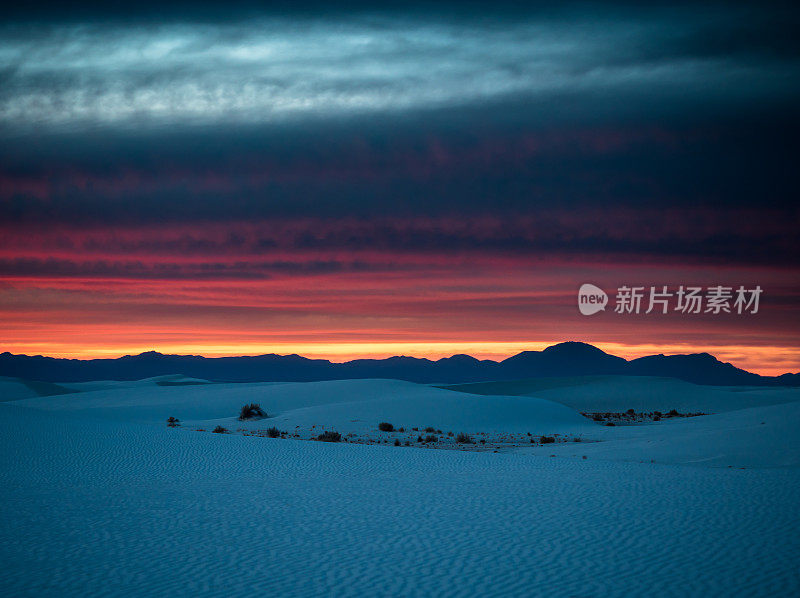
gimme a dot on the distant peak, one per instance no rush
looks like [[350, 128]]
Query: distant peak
[[459, 357], [692, 356], [573, 347], [145, 354]]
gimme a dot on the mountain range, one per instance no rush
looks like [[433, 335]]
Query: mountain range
[[563, 359]]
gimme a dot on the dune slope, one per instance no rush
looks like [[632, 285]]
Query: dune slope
[[100, 507], [642, 393]]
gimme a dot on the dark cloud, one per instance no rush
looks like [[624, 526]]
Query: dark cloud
[[208, 270], [279, 67], [690, 236], [219, 176]]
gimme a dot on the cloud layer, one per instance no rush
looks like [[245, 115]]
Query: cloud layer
[[274, 68], [401, 174]]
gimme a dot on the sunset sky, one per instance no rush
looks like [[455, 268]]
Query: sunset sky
[[396, 179]]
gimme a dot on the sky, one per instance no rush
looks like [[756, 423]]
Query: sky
[[386, 178]]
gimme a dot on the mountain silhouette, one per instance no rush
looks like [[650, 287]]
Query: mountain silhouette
[[563, 359]]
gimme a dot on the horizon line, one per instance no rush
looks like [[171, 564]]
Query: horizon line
[[736, 355]]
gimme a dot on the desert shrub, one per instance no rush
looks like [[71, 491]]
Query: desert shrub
[[547, 440], [482, 441], [673, 413], [463, 438], [431, 438], [408, 443], [657, 413], [597, 417], [419, 438], [220, 430], [251, 411], [656, 418], [533, 440], [173, 421], [577, 439], [274, 432], [385, 427], [330, 436], [415, 429], [397, 442], [450, 434], [429, 429], [630, 412], [401, 430], [611, 424]]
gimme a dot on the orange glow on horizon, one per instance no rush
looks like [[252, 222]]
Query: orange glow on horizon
[[764, 360]]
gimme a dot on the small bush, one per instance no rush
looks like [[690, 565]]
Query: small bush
[[251, 411], [547, 440], [630, 412], [450, 434], [274, 433], [419, 438], [463, 438], [482, 441], [402, 430], [431, 438], [330, 436], [673, 413], [173, 421], [533, 440], [220, 430], [397, 442], [611, 424], [408, 443], [597, 417], [429, 429], [385, 427]]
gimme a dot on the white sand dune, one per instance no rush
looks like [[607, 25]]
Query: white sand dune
[[750, 426], [345, 405], [760, 437], [99, 497], [642, 393], [166, 380], [14, 389]]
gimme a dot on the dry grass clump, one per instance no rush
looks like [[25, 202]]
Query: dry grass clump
[[251, 411]]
